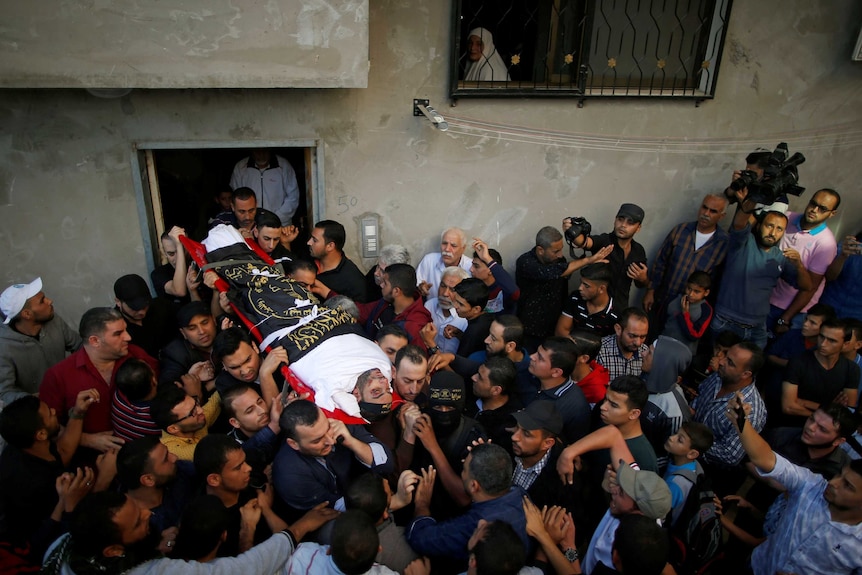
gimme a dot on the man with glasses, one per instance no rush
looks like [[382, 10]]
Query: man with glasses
[[807, 234], [184, 422]]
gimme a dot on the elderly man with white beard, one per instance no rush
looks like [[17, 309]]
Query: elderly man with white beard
[[442, 313], [453, 242]]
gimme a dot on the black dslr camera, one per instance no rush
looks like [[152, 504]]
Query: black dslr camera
[[579, 226], [779, 177]]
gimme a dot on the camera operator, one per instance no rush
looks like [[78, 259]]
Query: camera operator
[[755, 164], [628, 259], [753, 265]]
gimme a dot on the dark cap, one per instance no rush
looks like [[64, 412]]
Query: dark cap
[[446, 388], [540, 415], [133, 291], [190, 311], [631, 211]]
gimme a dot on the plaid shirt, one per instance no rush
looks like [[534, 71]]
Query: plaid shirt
[[612, 358], [677, 259], [525, 477], [709, 409]]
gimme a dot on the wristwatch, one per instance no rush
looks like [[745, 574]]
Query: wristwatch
[[780, 321], [571, 554], [433, 350]]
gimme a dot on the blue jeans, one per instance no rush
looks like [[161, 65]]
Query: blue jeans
[[753, 333]]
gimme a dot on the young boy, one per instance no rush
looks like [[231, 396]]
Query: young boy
[[688, 316], [683, 469], [798, 341]]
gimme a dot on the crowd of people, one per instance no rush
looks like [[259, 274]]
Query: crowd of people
[[512, 427]]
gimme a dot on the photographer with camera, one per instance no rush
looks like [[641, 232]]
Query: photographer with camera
[[753, 265], [755, 164], [627, 258]]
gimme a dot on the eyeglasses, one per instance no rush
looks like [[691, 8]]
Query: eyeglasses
[[192, 412], [820, 208]]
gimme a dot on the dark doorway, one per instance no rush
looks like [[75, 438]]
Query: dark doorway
[[190, 179]]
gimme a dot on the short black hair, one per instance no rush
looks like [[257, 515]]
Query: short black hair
[[700, 278], [300, 412], [629, 313], [474, 291], [701, 435], [412, 353], [403, 277], [135, 379], [587, 343], [495, 256], [92, 524], [835, 323], [232, 393], [758, 158], [297, 264], [500, 552], [211, 454], [366, 493], [823, 310], [633, 387], [757, 357], [562, 351], [332, 232], [854, 324], [266, 219], [20, 421], [228, 341], [598, 272], [491, 468], [133, 460], [391, 329], [642, 546], [95, 321], [832, 192], [354, 542], [513, 329], [204, 521], [502, 372], [168, 396], [842, 418], [242, 194]]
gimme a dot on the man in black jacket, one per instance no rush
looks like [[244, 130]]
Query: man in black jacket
[[536, 449]]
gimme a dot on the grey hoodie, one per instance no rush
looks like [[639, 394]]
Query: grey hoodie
[[24, 359]]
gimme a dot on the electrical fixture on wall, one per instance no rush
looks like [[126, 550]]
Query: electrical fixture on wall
[[369, 231], [423, 108]]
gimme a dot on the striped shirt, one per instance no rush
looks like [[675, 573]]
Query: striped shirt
[[131, 419], [806, 539], [602, 322]]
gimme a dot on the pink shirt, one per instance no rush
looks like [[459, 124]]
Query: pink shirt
[[816, 246]]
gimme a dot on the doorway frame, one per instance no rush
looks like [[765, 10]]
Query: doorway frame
[[146, 188]]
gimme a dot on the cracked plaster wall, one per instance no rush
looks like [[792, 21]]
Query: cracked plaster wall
[[68, 210]]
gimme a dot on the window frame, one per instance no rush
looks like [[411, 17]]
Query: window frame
[[711, 48]]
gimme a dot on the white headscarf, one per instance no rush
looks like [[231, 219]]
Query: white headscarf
[[490, 67]]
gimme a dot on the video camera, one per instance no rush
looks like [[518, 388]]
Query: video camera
[[779, 177]]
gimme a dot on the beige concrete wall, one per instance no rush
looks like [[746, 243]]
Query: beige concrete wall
[[68, 210], [184, 44]]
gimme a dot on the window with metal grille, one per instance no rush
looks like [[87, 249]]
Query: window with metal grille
[[587, 48]]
